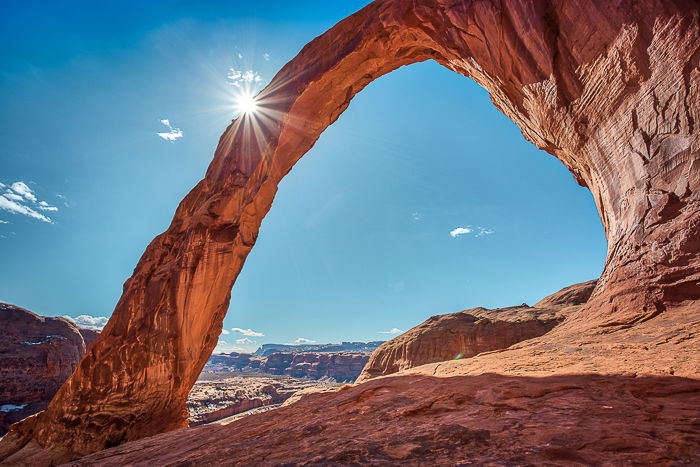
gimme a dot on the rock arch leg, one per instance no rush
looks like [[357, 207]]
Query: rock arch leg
[[615, 98]]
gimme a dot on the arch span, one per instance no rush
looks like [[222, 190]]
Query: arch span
[[615, 97]]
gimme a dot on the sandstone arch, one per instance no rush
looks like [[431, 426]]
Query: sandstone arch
[[610, 88]]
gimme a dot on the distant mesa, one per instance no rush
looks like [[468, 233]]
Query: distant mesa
[[267, 349]]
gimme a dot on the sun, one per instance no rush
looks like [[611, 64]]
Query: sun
[[246, 104]]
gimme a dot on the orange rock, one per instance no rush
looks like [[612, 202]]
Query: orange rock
[[463, 420], [470, 332], [610, 88]]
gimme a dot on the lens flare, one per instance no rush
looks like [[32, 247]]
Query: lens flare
[[246, 104]]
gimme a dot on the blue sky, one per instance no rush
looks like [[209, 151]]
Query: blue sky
[[358, 241]]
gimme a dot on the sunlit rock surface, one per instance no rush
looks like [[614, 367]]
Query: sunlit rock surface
[[217, 396], [470, 332], [464, 420], [610, 88]]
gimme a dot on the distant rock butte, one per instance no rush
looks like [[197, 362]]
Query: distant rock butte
[[37, 354], [267, 349], [340, 366], [471, 332], [610, 88]]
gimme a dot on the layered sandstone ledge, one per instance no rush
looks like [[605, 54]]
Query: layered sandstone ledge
[[470, 332], [610, 88]]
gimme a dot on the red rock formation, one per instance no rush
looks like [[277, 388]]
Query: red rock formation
[[342, 367], [464, 420], [37, 354], [89, 336], [471, 332], [610, 88]]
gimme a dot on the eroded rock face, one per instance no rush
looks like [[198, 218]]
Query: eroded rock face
[[471, 332], [610, 88], [37, 354], [425, 420], [342, 367]]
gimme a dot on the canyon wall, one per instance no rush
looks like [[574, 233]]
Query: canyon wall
[[340, 366], [37, 355], [610, 88], [470, 332]]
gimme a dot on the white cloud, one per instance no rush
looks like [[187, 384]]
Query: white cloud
[[460, 231], [240, 56], [477, 231], [244, 341], [3, 222], [266, 57], [225, 347], [239, 77], [89, 322], [44, 206], [247, 332], [224, 331], [416, 216], [13, 196], [173, 134], [484, 231], [304, 340], [392, 331], [16, 208], [21, 188]]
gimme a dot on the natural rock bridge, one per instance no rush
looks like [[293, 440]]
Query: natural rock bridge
[[611, 88]]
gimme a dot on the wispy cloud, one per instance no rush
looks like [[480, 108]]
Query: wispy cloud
[[477, 231], [89, 322], [484, 231], [304, 340], [247, 332], [44, 206], [3, 222], [21, 188], [224, 331], [173, 133], [239, 77], [266, 56], [224, 347], [460, 231], [416, 216], [392, 331], [245, 340], [18, 198]]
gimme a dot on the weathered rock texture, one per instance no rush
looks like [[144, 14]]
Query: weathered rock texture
[[217, 398], [611, 88], [463, 420], [343, 367], [471, 332], [89, 336], [37, 354]]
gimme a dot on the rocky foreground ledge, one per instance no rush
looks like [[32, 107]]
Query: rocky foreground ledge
[[542, 401]]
